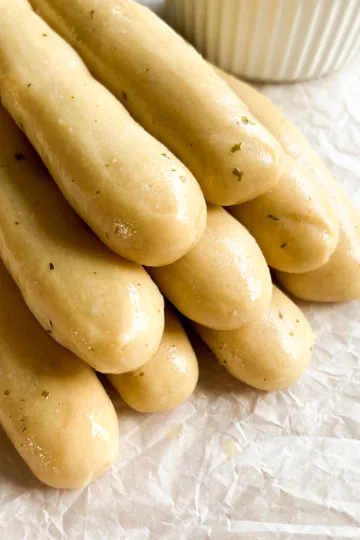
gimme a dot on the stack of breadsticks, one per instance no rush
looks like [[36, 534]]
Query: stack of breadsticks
[[132, 150]]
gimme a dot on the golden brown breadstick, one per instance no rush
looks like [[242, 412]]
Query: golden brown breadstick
[[137, 197], [270, 352], [103, 308], [168, 379], [173, 93], [294, 223], [223, 282], [52, 406]]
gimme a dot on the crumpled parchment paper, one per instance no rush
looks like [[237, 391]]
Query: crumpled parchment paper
[[232, 462]]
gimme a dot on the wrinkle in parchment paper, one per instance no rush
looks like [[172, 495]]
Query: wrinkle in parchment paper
[[233, 462]]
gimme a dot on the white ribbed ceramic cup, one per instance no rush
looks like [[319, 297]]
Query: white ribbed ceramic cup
[[271, 40]]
